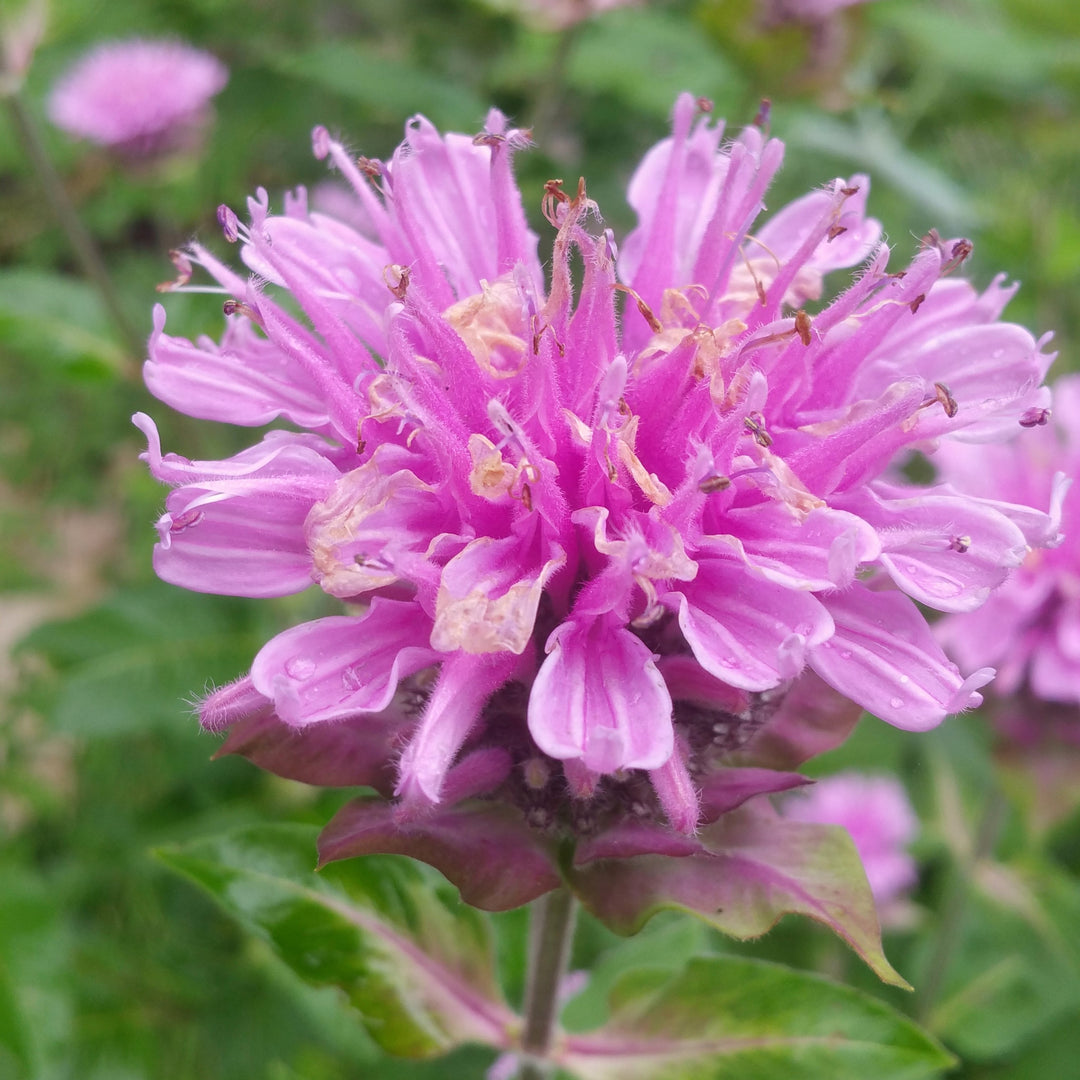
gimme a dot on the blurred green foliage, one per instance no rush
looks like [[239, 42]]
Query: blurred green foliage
[[965, 112]]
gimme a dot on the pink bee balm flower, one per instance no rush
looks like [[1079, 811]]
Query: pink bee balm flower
[[561, 14], [806, 11], [590, 535], [1030, 627], [876, 811], [139, 97]]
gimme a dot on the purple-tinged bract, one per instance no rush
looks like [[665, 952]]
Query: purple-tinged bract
[[139, 97], [876, 811], [589, 534]]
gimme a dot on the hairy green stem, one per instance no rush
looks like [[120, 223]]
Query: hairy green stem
[[954, 908], [81, 241], [551, 935]]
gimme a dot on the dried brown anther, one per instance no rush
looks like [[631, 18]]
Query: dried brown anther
[[802, 327], [714, 483], [755, 424], [647, 312], [397, 279]]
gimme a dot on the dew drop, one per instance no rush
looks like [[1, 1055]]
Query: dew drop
[[845, 654], [896, 702], [299, 668], [728, 661]]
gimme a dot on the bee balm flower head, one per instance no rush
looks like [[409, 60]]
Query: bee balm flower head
[[138, 97], [592, 536]]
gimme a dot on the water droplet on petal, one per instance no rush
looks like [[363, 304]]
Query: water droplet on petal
[[896, 702], [299, 668], [845, 654]]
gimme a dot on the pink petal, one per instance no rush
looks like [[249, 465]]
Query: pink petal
[[599, 697], [489, 593], [245, 380], [944, 550], [453, 710], [884, 656], [336, 667], [747, 632]]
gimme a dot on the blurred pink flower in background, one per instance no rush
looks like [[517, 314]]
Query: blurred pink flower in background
[[562, 14], [1029, 628], [876, 811], [139, 97], [805, 11]]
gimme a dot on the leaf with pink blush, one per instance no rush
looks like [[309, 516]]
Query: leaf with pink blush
[[357, 752], [884, 656], [748, 632], [750, 869], [484, 848], [812, 719], [726, 789], [732, 1018], [336, 667], [599, 697], [417, 966]]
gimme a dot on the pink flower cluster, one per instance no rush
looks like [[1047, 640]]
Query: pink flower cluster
[[1030, 627], [590, 535], [138, 97]]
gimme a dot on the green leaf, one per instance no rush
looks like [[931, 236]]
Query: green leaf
[[1017, 968], [390, 88], [724, 1018], [417, 965], [133, 662], [647, 58], [59, 319], [871, 143], [13, 1028], [751, 869]]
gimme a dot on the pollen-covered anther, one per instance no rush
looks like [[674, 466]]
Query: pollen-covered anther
[[397, 279], [917, 303], [755, 424], [646, 311], [184, 271], [962, 544]]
